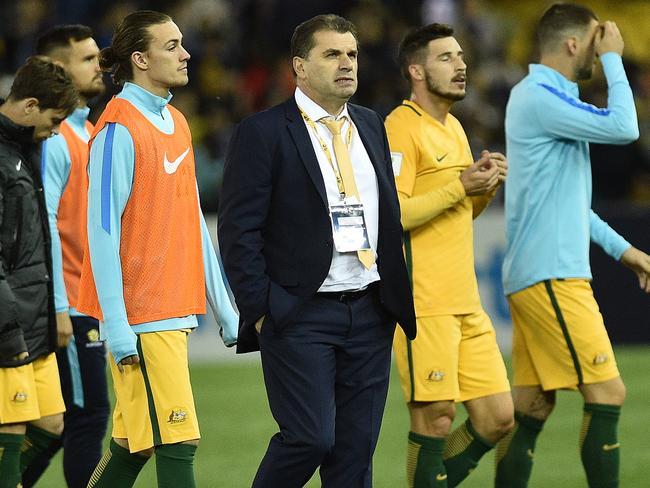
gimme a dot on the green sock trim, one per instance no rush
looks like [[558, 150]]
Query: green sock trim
[[424, 466], [436, 444], [529, 422], [177, 451], [36, 442], [118, 467], [613, 410], [122, 453], [514, 453], [10, 459], [11, 440], [463, 451], [599, 446], [489, 445], [175, 465]]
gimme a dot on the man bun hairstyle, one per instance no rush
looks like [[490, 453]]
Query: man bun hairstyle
[[561, 20], [131, 35], [302, 40], [412, 49], [40, 78]]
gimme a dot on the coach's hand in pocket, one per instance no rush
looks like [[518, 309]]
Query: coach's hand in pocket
[[258, 324]]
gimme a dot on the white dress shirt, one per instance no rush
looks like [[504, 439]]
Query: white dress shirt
[[346, 271]]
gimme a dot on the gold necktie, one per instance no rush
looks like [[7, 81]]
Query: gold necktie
[[366, 256]]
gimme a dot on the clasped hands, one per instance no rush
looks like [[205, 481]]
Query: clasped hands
[[486, 174]]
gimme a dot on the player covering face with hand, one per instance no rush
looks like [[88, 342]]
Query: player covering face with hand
[[559, 336]]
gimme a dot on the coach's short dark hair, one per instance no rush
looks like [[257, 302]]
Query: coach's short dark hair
[[61, 36], [560, 20], [412, 49], [40, 78], [302, 40], [131, 35]]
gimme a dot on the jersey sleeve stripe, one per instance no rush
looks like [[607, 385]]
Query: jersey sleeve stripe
[[107, 163], [575, 102]]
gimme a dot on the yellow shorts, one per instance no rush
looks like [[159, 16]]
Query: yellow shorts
[[559, 337], [31, 391], [154, 398], [453, 357]]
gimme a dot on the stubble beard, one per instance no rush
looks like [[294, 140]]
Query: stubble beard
[[439, 92], [585, 72], [586, 69], [89, 93], [92, 90]]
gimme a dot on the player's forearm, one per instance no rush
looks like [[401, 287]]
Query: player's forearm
[[60, 294], [107, 272], [620, 100], [607, 238], [481, 202], [56, 171], [217, 288], [420, 209], [567, 117]]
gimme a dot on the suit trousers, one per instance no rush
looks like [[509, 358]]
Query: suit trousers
[[326, 374]]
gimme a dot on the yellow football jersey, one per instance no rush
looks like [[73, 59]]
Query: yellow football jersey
[[429, 157]]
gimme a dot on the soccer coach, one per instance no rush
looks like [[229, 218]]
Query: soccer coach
[[310, 235]]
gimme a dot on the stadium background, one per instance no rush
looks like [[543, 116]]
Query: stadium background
[[240, 65]]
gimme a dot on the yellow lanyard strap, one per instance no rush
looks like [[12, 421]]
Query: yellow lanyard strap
[[328, 154]]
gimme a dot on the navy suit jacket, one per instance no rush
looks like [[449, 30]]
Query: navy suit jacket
[[275, 233]]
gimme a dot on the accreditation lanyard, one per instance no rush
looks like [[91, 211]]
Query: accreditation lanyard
[[326, 150]]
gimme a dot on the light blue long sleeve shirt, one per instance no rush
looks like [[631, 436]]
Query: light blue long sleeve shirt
[[55, 168], [111, 167], [549, 221]]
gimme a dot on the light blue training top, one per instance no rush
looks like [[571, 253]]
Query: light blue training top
[[549, 221], [55, 168], [111, 180]]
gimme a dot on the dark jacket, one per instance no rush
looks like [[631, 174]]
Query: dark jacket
[[27, 317], [275, 233]]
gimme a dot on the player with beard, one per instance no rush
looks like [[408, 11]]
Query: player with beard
[[455, 356], [559, 336], [81, 355]]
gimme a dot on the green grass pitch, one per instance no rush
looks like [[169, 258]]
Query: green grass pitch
[[236, 426]]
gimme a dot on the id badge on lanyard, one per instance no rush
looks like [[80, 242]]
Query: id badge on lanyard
[[349, 226]]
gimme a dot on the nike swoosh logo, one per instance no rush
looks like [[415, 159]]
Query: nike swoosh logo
[[441, 157], [441, 477], [530, 453], [19, 165], [170, 168], [611, 447]]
